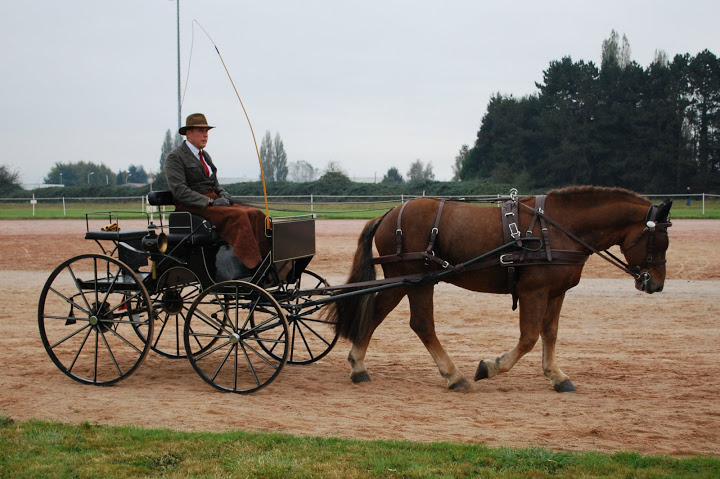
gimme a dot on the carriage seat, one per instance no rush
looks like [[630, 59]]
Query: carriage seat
[[182, 223]]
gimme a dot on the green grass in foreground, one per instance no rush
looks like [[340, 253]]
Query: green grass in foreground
[[42, 449]]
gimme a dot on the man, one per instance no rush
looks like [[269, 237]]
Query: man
[[192, 177]]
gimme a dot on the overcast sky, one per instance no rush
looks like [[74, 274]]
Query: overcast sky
[[369, 85]]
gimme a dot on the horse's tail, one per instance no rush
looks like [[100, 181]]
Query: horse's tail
[[352, 315]]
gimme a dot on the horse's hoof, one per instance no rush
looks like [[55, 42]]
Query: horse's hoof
[[462, 386], [363, 377], [565, 387], [482, 371]]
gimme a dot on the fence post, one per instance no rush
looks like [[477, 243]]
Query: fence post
[[703, 197], [312, 204], [33, 201], [64, 210]]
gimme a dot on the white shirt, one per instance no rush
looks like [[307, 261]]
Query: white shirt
[[194, 149], [196, 152]]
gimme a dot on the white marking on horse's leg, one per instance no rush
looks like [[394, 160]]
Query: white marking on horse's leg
[[447, 368], [550, 367], [356, 358]]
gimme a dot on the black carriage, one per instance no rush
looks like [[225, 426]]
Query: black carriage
[[177, 289]]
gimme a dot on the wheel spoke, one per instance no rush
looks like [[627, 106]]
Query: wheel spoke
[[304, 322], [122, 338], [250, 365], [72, 364], [162, 328], [209, 352], [71, 335], [224, 360], [112, 356], [80, 291], [71, 302]]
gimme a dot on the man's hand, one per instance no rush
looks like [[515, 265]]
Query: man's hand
[[227, 196], [220, 202]]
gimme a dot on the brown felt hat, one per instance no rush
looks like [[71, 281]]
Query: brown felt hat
[[196, 120]]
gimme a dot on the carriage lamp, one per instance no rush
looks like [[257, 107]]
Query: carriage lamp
[[154, 244]]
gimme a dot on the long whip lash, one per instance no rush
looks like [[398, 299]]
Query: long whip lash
[[257, 151]]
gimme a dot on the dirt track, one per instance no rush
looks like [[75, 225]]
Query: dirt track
[[647, 367]]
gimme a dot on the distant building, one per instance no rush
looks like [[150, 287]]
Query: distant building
[[34, 186], [365, 179]]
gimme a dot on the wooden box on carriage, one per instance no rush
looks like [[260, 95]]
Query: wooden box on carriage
[[293, 238]]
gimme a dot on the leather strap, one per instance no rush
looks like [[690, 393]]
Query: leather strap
[[398, 230]]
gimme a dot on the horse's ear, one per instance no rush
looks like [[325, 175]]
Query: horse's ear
[[664, 210]]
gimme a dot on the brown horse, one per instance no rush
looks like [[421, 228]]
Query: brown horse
[[579, 221]]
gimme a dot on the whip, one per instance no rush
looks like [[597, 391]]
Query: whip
[[252, 131]]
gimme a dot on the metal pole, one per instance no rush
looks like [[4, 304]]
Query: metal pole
[[178, 62]]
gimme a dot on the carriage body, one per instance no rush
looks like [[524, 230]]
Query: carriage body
[[176, 289]]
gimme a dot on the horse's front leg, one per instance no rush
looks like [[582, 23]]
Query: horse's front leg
[[423, 323], [559, 380], [532, 311]]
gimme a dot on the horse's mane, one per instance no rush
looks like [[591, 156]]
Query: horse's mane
[[597, 193]]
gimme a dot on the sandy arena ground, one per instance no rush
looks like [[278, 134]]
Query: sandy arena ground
[[646, 367]]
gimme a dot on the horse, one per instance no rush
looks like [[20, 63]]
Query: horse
[[574, 222]]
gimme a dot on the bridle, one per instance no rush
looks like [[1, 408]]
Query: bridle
[[657, 243]]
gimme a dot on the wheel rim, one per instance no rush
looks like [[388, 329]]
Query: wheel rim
[[90, 311], [228, 332], [311, 335]]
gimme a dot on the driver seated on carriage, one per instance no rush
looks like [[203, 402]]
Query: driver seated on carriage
[[192, 178]]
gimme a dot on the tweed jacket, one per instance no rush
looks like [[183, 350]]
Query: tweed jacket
[[186, 177]]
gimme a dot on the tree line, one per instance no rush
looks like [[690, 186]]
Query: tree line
[[646, 129], [654, 129]]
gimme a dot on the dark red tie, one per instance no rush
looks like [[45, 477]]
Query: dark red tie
[[205, 166]]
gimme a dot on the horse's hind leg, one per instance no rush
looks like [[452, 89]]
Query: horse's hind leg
[[559, 380], [385, 301], [423, 323]]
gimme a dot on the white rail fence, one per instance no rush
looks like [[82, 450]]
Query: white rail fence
[[318, 204]]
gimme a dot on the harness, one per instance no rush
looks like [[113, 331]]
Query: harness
[[524, 255]]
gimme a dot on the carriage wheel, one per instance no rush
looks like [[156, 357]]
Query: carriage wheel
[[90, 309], [242, 322], [311, 335], [176, 290]]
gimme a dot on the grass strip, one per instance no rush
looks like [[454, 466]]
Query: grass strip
[[45, 449]]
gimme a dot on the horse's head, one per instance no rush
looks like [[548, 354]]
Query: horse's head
[[644, 248]]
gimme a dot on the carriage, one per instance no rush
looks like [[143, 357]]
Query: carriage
[[166, 289]]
